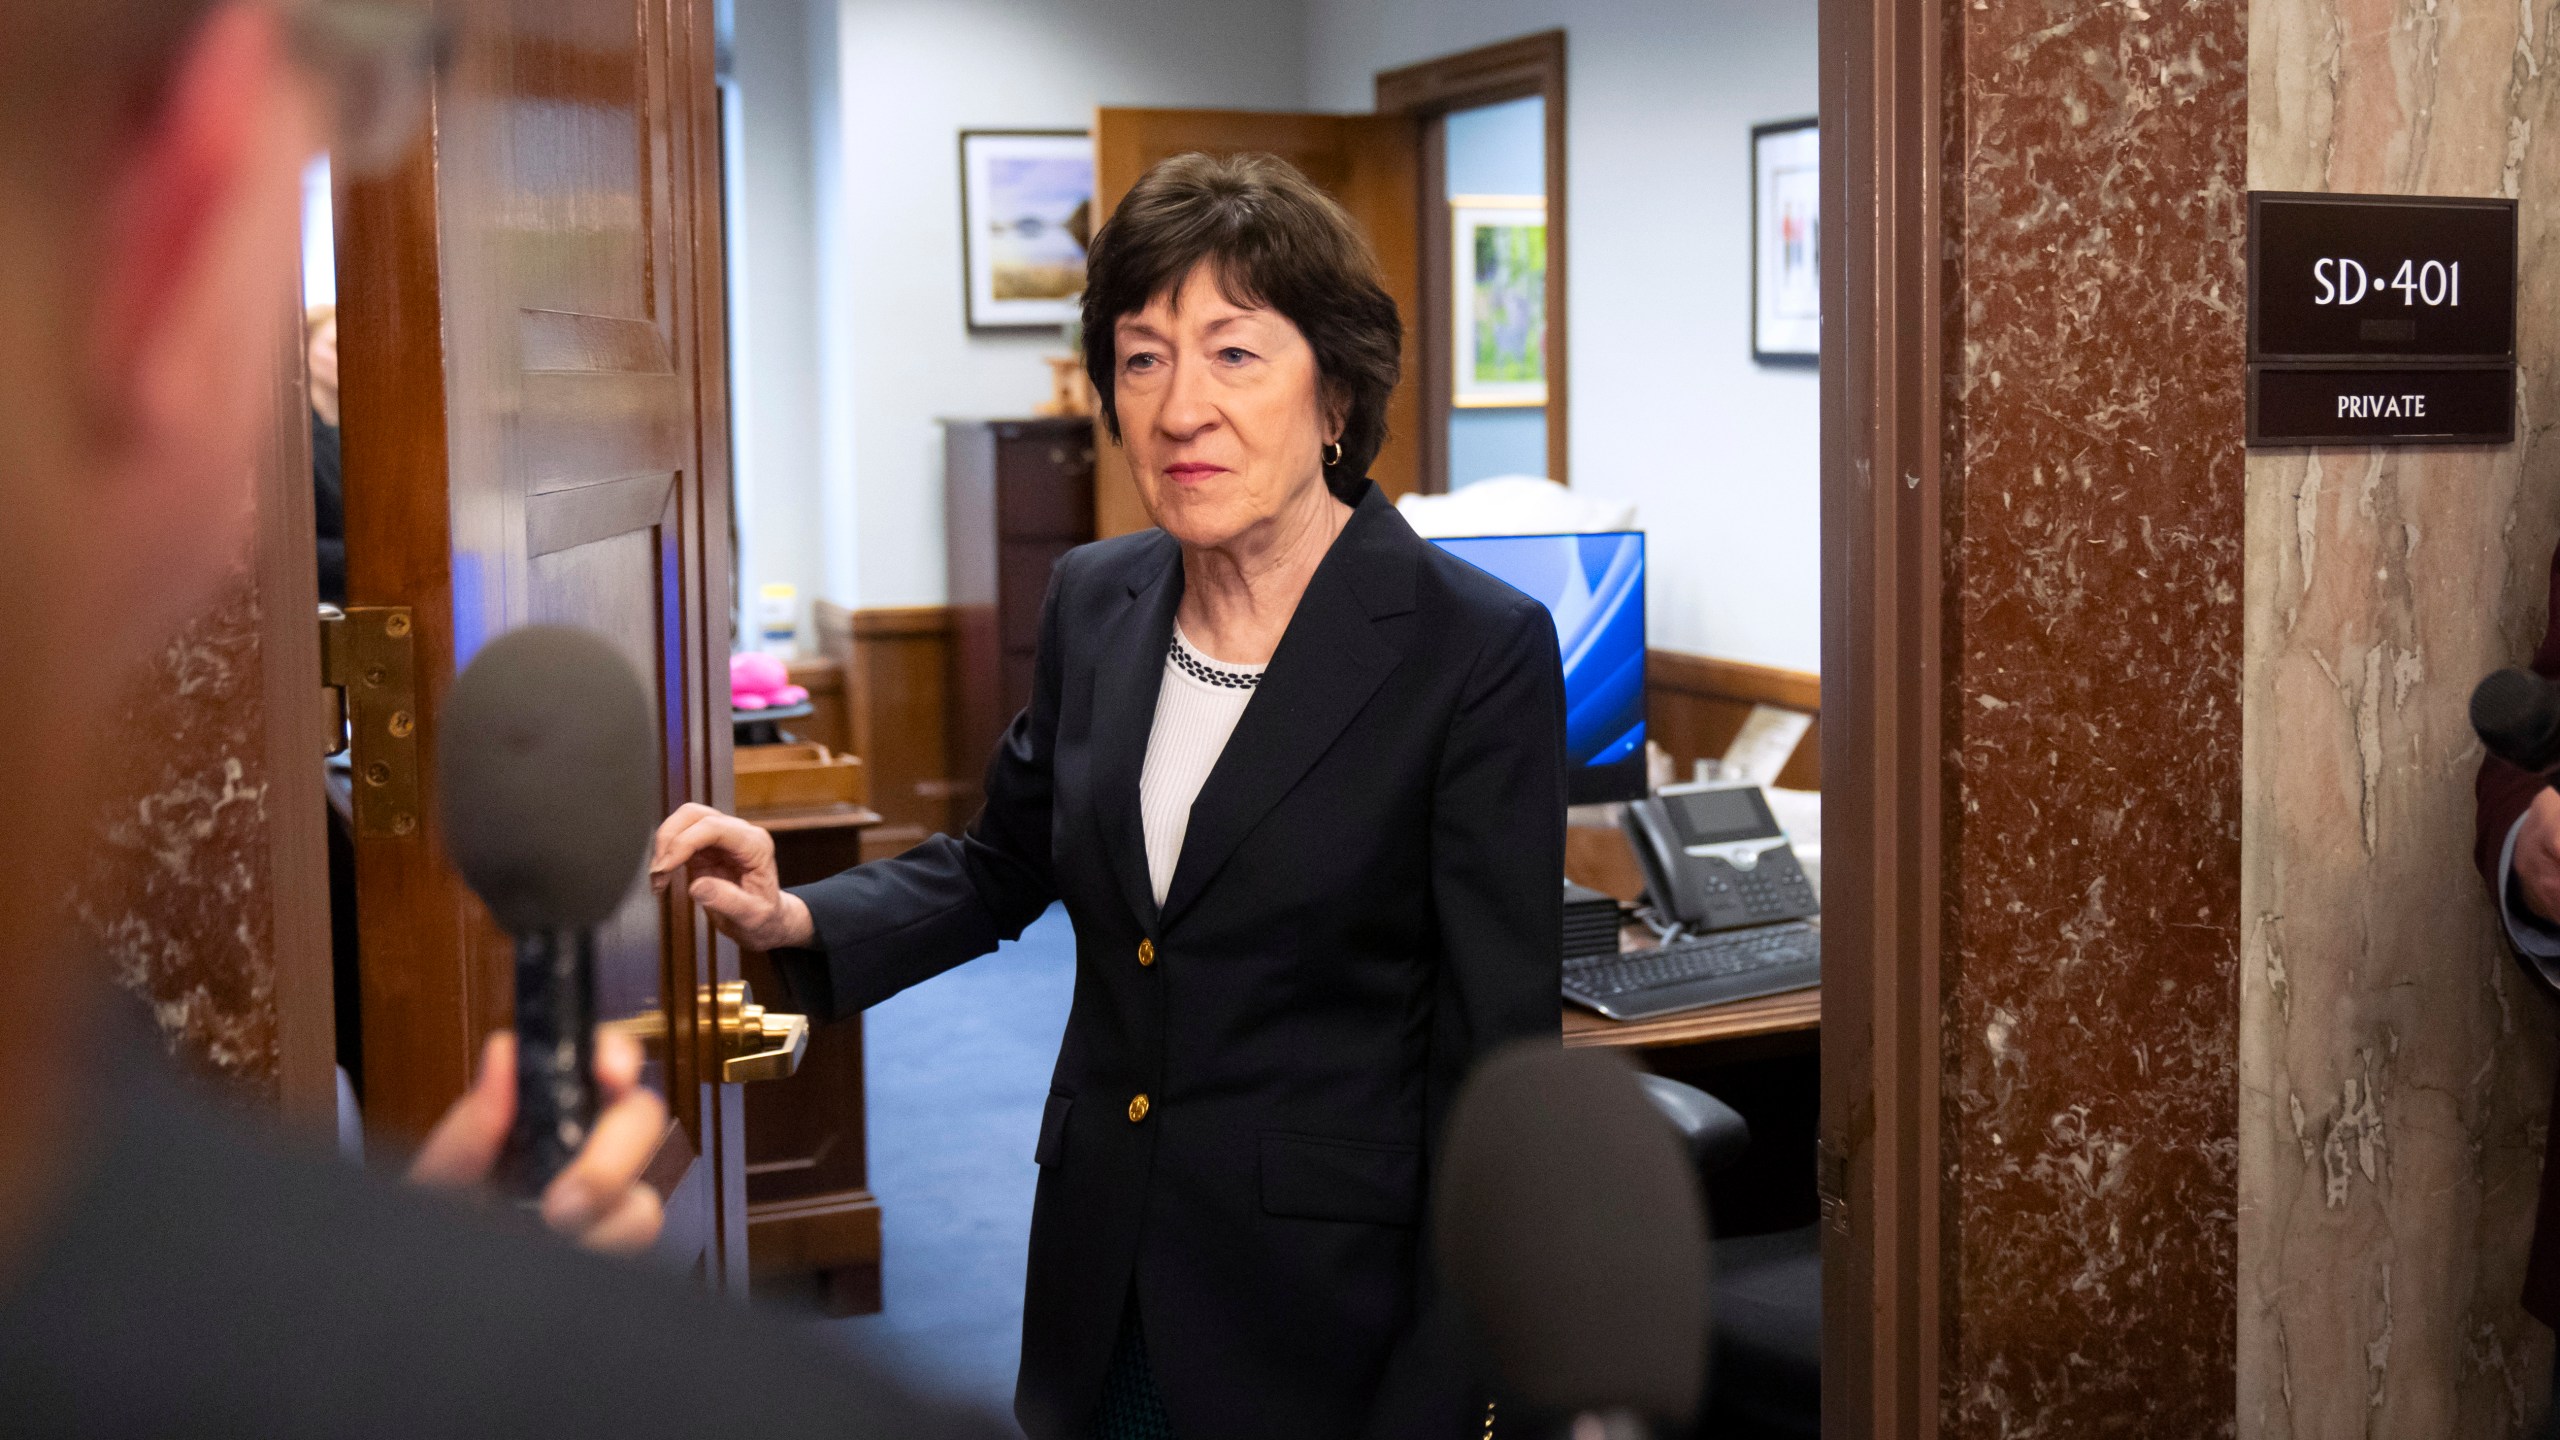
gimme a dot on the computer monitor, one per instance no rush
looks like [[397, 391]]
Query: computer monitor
[[1593, 586]]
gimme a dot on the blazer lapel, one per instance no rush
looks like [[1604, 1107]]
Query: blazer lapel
[[1330, 661], [1128, 671]]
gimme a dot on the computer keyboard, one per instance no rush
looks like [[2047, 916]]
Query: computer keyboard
[[1700, 970]]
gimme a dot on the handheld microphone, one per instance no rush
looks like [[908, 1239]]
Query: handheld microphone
[[548, 762], [2518, 717], [1569, 1226]]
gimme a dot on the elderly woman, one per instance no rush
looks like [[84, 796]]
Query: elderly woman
[[1299, 778]]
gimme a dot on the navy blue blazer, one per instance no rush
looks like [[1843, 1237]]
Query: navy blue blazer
[[1240, 1128]]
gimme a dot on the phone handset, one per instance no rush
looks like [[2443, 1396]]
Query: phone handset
[[1715, 858]]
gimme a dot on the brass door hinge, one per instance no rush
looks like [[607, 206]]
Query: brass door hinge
[[368, 662]]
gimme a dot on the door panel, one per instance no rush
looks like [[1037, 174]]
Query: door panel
[[536, 433], [612, 584], [1372, 164]]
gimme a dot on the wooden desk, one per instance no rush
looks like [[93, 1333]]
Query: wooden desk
[[1793, 1013], [1758, 1056], [1735, 1029], [810, 1211]]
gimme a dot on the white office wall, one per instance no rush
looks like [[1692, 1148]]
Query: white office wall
[[1667, 409], [777, 422], [914, 73]]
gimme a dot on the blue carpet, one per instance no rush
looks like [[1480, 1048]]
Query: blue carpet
[[956, 1072]]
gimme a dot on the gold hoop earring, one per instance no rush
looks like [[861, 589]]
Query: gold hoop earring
[[1334, 461]]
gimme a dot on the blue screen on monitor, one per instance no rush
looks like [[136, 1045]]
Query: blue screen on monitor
[[1593, 586]]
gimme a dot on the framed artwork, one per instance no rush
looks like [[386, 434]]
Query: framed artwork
[[1786, 243], [1026, 211], [1499, 300]]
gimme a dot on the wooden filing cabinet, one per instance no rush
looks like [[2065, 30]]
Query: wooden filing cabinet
[[1017, 494]]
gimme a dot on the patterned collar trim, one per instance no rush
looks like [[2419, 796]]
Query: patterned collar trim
[[1207, 671]]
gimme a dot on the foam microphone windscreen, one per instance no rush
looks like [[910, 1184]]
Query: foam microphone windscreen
[[2518, 718], [1569, 1225], [547, 756]]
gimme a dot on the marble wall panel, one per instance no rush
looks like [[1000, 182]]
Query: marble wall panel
[[175, 895], [175, 898], [203, 885], [2093, 366], [2395, 1068]]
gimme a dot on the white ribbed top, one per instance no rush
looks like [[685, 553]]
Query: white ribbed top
[[1196, 710]]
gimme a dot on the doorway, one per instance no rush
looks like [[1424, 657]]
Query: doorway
[[1492, 132], [1493, 175]]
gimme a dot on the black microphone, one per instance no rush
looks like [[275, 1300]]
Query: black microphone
[[548, 762], [1569, 1226], [2518, 718]]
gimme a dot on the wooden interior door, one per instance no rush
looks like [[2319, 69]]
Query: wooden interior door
[[536, 432], [1370, 163]]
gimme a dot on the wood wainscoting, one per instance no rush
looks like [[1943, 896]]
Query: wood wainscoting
[[830, 721], [1695, 704], [897, 676]]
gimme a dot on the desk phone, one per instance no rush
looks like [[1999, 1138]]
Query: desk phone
[[1717, 863], [1715, 858]]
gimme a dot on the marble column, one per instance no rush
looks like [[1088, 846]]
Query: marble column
[[2095, 167], [205, 884], [2394, 1065], [176, 898]]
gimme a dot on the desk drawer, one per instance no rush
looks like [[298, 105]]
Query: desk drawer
[[1044, 487], [796, 777]]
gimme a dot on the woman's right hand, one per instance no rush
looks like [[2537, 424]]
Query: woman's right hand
[[733, 877]]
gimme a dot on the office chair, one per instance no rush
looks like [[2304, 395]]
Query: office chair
[[1764, 1378]]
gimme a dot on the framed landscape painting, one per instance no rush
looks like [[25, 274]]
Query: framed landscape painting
[[1786, 243], [1499, 300], [1026, 212]]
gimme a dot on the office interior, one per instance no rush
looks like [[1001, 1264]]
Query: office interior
[[873, 424], [2165, 1009]]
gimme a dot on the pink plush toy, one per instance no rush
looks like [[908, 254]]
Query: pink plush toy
[[761, 682]]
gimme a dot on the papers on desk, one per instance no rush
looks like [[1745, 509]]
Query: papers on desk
[[1766, 741], [1760, 750], [1799, 813]]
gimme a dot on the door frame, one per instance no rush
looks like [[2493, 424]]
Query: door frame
[[1885, 657], [1428, 91], [295, 738]]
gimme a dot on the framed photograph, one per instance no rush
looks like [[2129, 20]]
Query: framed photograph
[[1786, 243], [1026, 211], [1499, 300]]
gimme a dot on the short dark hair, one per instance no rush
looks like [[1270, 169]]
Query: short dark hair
[[1272, 239]]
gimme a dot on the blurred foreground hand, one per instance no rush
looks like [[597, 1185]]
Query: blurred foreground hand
[[600, 1200]]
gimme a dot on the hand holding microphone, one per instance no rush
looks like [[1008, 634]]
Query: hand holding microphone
[[548, 761], [599, 1201]]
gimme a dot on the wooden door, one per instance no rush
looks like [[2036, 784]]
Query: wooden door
[[531, 343], [1370, 163]]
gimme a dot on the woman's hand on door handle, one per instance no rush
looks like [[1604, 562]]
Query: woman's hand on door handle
[[733, 877], [600, 1201]]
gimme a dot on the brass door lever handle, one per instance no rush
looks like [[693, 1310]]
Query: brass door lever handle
[[756, 1043], [753, 1043]]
